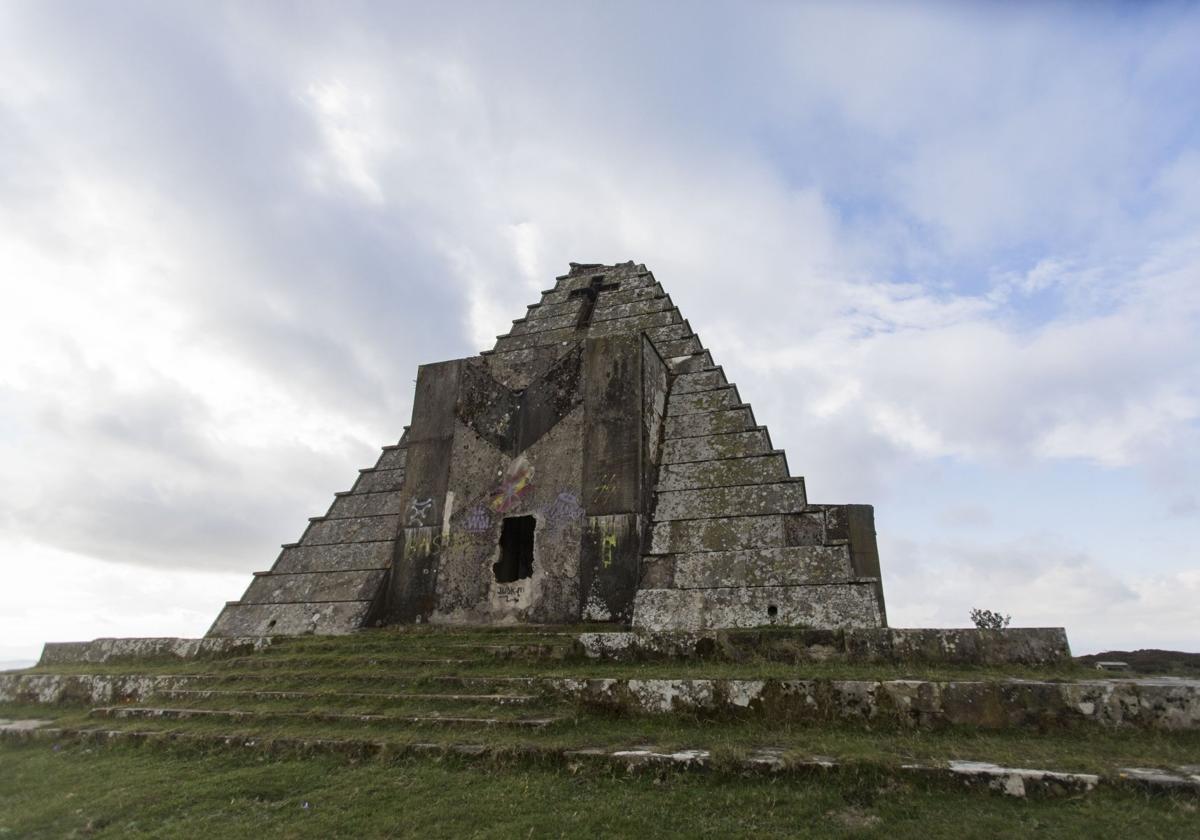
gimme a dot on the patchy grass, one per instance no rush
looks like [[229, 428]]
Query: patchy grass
[[1091, 750], [139, 792]]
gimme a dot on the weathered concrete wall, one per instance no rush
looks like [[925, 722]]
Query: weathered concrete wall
[[811, 605], [115, 650], [485, 487], [1032, 646], [1172, 705]]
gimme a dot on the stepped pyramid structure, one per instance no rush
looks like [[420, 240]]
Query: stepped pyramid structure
[[594, 466]]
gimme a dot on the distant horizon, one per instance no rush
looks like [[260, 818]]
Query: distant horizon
[[949, 253]]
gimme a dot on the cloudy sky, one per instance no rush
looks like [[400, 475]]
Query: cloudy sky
[[951, 254]]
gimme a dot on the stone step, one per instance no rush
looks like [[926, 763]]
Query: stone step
[[332, 618], [361, 529], [745, 500], [168, 713], [628, 293], [727, 533], [703, 380], [671, 332], [714, 447], [379, 481], [346, 663], [531, 325], [730, 420], [777, 761], [552, 307], [680, 347], [313, 587], [821, 606], [921, 648], [608, 310], [334, 558], [700, 360], [785, 566], [634, 323], [393, 458], [724, 472], [135, 687], [364, 504], [360, 696], [693, 403]]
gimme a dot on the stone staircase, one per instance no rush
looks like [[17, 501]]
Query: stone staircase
[[331, 580], [536, 692], [734, 542]]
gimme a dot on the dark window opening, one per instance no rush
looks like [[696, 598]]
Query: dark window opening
[[516, 550], [772, 611]]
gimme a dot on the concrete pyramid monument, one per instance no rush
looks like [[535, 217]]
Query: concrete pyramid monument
[[594, 466]]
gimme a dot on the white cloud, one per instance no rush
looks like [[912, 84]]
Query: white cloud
[[912, 236]]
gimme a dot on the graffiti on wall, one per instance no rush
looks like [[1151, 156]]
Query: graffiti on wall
[[608, 549], [418, 510], [604, 487], [516, 484], [477, 520], [564, 510]]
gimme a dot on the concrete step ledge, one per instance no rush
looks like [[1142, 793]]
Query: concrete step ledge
[[170, 713], [714, 447], [828, 606], [783, 566], [1027, 646], [1009, 781], [785, 496]]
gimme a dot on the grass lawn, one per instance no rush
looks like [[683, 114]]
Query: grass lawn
[[131, 791]]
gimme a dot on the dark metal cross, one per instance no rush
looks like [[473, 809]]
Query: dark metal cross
[[589, 295]]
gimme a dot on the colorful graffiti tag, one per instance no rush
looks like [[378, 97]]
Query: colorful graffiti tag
[[564, 510], [513, 488]]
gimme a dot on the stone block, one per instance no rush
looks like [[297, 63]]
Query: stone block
[[725, 472], [713, 447], [681, 347], [314, 587], [705, 380], [671, 332], [717, 534], [536, 325], [365, 504], [366, 529], [715, 400], [786, 566], [290, 619], [607, 311], [745, 500], [699, 360], [739, 419], [335, 558], [821, 606], [379, 481], [393, 458], [634, 323]]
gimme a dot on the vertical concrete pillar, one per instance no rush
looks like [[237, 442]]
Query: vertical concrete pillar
[[413, 585], [613, 491]]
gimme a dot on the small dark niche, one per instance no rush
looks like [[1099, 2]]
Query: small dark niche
[[516, 549]]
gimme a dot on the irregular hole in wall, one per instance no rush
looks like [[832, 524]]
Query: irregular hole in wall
[[271, 624], [516, 549], [772, 612]]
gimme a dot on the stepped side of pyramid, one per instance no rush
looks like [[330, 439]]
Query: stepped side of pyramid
[[332, 579], [648, 493]]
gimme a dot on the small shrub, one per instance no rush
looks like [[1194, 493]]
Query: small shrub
[[988, 620]]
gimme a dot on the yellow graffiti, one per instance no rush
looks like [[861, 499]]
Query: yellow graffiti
[[608, 548]]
